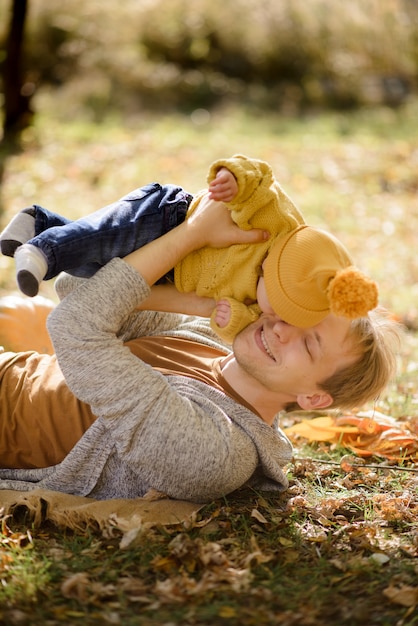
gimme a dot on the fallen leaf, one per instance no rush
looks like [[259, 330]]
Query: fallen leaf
[[379, 435], [259, 516], [227, 612], [349, 462], [76, 586], [402, 594], [285, 542]]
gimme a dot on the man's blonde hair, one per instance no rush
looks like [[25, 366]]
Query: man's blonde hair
[[377, 340]]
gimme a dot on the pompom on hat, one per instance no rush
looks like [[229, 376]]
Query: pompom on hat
[[308, 274]]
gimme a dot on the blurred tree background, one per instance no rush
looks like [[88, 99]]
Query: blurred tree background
[[283, 55]]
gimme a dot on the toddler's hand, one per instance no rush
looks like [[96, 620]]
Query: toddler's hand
[[224, 187], [223, 313]]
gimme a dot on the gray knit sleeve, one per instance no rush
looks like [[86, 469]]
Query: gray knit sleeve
[[137, 323], [66, 283]]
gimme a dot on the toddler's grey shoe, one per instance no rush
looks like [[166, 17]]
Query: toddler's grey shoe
[[31, 268], [18, 231]]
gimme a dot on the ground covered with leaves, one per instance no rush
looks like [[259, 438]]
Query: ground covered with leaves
[[339, 547]]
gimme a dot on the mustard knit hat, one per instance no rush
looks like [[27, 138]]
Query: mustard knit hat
[[308, 274]]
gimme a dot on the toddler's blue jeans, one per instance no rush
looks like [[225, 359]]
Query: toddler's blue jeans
[[82, 246]]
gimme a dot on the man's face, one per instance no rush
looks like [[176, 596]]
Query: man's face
[[288, 359]]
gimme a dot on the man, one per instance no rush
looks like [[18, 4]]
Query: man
[[188, 417]]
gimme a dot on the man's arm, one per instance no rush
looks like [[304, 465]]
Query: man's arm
[[175, 438], [167, 298]]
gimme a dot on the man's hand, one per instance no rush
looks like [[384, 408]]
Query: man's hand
[[212, 225], [224, 187]]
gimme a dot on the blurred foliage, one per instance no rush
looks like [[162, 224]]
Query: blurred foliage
[[279, 54], [355, 173]]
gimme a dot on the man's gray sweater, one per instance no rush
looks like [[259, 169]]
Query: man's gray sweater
[[171, 433]]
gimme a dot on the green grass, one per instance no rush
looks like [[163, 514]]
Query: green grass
[[305, 562], [335, 546]]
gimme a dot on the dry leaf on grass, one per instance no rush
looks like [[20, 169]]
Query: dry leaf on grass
[[402, 594], [366, 434]]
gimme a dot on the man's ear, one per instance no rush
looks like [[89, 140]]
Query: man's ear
[[319, 400]]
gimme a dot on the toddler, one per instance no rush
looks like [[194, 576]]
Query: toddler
[[303, 272]]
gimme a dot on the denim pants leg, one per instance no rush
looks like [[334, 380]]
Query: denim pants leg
[[82, 246]]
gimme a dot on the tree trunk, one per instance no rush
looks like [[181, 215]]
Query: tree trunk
[[17, 111]]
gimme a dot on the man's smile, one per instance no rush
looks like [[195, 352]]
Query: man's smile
[[263, 344]]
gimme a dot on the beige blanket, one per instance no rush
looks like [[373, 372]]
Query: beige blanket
[[78, 513]]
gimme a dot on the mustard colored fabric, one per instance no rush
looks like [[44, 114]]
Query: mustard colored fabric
[[233, 272]]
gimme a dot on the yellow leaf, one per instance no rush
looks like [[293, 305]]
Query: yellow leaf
[[319, 429], [285, 542], [227, 612], [165, 564]]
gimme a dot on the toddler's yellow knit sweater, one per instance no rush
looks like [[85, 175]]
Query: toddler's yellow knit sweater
[[232, 273]]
